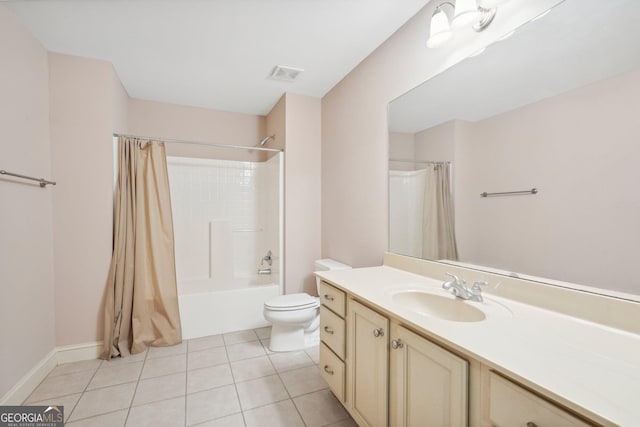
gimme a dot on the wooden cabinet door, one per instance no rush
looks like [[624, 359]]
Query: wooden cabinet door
[[429, 385], [367, 365]]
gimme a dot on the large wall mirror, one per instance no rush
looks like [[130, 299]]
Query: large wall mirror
[[556, 108]]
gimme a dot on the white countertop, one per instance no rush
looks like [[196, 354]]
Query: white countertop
[[588, 367]]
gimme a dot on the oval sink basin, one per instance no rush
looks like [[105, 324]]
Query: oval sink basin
[[441, 306]]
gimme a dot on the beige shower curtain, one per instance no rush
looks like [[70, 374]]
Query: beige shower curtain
[[438, 240], [141, 303]]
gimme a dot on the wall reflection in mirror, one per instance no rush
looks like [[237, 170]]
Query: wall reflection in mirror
[[555, 107]]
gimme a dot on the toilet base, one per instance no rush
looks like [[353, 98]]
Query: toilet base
[[288, 338]]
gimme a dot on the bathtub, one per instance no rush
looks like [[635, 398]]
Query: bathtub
[[215, 306]]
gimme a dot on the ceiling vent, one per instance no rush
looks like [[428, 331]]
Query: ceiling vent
[[285, 74]]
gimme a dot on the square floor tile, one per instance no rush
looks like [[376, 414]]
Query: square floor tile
[[245, 350], [313, 353], [207, 378], [263, 333], [208, 357], [235, 420], [73, 367], [132, 358], [261, 391], [211, 404], [265, 343], [172, 350], [112, 419], [164, 366], [281, 414], [112, 375], [303, 380], [249, 369], [320, 408], [61, 385], [103, 400], [344, 423], [197, 344], [240, 336], [160, 388], [290, 360], [165, 413], [69, 402]]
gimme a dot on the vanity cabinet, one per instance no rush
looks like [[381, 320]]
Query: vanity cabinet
[[368, 365], [513, 405], [332, 339], [429, 385], [396, 377], [391, 369]]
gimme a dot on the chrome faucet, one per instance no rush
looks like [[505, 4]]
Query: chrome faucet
[[460, 290], [264, 271], [267, 258]]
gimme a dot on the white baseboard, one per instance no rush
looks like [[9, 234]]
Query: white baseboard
[[78, 352], [65, 354], [25, 386]]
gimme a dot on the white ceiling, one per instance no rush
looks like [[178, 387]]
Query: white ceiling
[[218, 53], [579, 42]]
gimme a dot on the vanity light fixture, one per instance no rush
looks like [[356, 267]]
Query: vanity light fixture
[[466, 14]]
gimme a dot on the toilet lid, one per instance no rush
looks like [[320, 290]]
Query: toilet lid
[[292, 302]]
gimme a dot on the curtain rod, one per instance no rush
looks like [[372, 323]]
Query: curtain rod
[[177, 141]]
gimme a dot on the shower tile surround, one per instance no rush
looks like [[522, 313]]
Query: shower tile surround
[[201, 382], [225, 215]]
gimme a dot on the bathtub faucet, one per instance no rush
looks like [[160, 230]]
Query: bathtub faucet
[[264, 271], [267, 258]]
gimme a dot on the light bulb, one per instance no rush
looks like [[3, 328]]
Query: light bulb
[[440, 30], [466, 14]]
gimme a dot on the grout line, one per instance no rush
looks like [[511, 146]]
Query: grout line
[[144, 362], [287, 390], [235, 385], [94, 416], [83, 392], [233, 376]]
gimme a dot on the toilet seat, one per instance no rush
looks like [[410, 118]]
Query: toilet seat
[[290, 302]]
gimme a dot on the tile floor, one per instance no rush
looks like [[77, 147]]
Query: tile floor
[[223, 380]]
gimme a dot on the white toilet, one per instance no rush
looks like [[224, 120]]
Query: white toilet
[[295, 317]]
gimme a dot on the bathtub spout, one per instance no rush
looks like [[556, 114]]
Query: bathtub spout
[[264, 271]]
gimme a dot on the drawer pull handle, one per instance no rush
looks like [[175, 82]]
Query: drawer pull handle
[[327, 370], [328, 330], [378, 332], [531, 424], [328, 297], [396, 344]]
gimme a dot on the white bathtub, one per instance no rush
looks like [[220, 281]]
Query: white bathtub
[[209, 307]]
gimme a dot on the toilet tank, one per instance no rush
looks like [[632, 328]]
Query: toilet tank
[[328, 264]]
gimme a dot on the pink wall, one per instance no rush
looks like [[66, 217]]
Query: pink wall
[[27, 315], [355, 134], [276, 124], [171, 121], [87, 105], [302, 192], [443, 149]]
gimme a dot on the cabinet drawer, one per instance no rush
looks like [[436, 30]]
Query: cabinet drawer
[[332, 331], [512, 405], [333, 298], [332, 369]]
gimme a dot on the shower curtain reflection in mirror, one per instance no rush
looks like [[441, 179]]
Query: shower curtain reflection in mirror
[[421, 217]]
